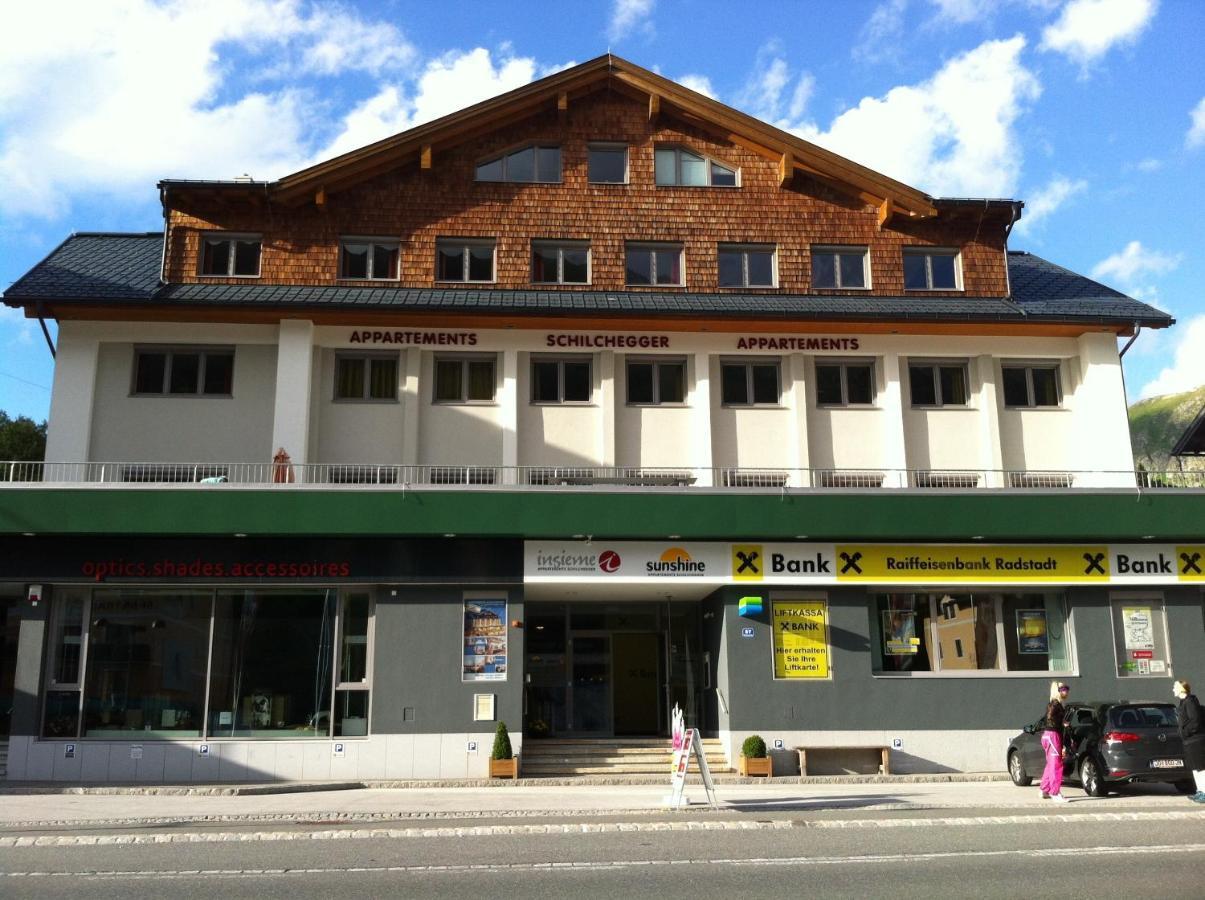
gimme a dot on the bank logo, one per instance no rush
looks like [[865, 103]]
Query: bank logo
[[747, 562], [676, 561], [609, 561]]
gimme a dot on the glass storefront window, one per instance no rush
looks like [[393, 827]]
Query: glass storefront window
[[964, 633], [146, 662], [272, 664], [1140, 637], [136, 662]]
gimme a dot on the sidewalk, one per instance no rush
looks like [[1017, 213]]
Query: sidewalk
[[503, 802]]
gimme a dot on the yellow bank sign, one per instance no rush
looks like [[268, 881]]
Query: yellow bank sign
[[800, 638], [1006, 563]]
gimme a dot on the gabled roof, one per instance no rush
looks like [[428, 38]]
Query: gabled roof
[[560, 91], [1192, 442], [116, 269]]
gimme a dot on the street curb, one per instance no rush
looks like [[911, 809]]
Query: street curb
[[299, 787], [95, 840]]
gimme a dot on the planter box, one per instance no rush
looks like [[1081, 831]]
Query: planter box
[[755, 768], [504, 768]]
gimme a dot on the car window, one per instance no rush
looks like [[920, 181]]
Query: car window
[[1152, 715], [1083, 717]]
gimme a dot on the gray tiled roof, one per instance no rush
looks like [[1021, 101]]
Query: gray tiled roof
[[125, 267]]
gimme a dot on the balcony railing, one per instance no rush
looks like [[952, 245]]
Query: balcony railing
[[386, 477]]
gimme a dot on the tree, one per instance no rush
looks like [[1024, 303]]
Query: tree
[[21, 439]]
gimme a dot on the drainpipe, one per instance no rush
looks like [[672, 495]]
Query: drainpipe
[[1013, 216], [1137, 331]]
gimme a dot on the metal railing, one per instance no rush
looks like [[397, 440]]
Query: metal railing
[[387, 476]]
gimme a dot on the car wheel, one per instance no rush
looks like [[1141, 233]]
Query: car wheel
[[1186, 787], [1090, 778], [1016, 770]]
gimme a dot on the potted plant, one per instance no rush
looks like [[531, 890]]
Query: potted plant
[[503, 762], [754, 761]]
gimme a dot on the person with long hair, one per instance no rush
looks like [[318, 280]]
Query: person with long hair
[[1191, 721], [1052, 744]]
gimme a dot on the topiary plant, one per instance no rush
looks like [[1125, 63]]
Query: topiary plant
[[502, 748], [753, 747]]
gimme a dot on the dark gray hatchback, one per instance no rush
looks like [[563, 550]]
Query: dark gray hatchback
[[1108, 744]]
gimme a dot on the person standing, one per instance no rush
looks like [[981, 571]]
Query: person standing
[[1191, 721], [1052, 744]]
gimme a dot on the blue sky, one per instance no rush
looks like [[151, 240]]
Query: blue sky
[[1092, 111]]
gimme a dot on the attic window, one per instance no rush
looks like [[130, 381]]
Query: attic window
[[679, 166], [232, 255], [525, 165]]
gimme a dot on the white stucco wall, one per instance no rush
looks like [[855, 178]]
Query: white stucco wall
[[356, 432]]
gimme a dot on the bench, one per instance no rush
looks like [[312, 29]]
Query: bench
[[883, 751]]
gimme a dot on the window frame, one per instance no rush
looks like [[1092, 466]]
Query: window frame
[[1029, 367], [678, 150], [844, 364], [465, 245], [503, 156], [749, 363], [610, 146], [230, 237], [561, 245], [465, 359], [653, 248], [366, 356], [169, 351], [999, 596], [656, 362], [373, 243], [560, 360], [744, 249], [839, 250], [1157, 601], [928, 253], [936, 365]]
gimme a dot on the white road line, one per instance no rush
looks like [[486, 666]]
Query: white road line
[[475, 868]]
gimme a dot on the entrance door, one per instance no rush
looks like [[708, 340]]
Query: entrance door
[[591, 698], [635, 672], [10, 626]]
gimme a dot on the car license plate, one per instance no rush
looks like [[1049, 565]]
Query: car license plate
[[1166, 763]]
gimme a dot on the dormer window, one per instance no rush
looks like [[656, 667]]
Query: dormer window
[[231, 255], [679, 166], [525, 165]]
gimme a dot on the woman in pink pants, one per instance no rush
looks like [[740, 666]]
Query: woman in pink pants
[[1052, 744]]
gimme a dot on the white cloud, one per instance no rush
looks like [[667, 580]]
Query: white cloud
[[1150, 164], [447, 84], [628, 16], [121, 93], [18, 328], [952, 134], [1134, 263], [700, 83], [1196, 133], [1047, 199], [1088, 29], [768, 89], [1187, 369], [880, 37]]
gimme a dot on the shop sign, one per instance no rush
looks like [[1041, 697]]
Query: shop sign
[[633, 562], [419, 338], [484, 650], [800, 638]]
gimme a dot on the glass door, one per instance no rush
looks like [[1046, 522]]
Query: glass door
[[590, 687]]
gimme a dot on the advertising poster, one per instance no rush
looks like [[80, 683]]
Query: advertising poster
[[1137, 627], [899, 632], [800, 638], [484, 640], [1031, 631]]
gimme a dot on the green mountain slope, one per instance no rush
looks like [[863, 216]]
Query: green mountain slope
[[1156, 424]]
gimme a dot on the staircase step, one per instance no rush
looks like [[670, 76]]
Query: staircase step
[[570, 757]]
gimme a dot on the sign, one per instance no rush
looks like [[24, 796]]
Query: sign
[[69, 751], [417, 338], [202, 749], [484, 657], [749, 607], [747, 632], [339, 749], [136, 751], [899, 632], [816, 564], [471, 747], [800, 638], [686, 742], [897, 743], [1137, 628], [1031, 631]]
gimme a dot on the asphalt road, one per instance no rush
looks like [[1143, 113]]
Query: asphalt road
[[1156, 853]]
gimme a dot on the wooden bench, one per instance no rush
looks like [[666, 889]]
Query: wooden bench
[[884, 755]]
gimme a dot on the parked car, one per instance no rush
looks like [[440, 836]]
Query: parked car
[[1108, 744]]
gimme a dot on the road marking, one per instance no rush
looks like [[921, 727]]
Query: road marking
[[476, 868], [346, 834]]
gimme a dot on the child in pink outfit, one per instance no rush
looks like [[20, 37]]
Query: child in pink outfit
[[1052, 743]]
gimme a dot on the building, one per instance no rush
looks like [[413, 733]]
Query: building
[[590, 400]]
